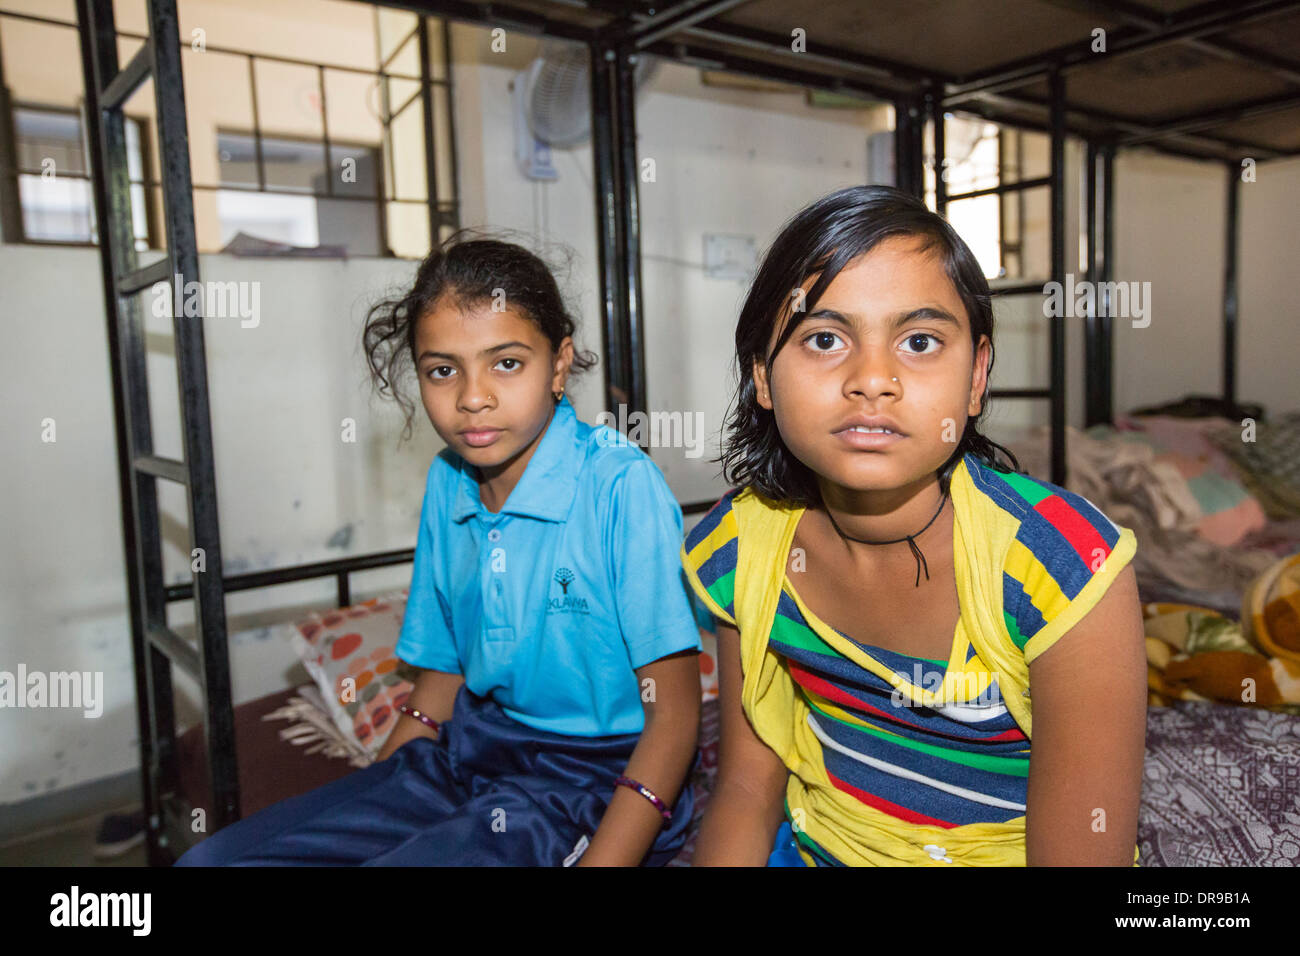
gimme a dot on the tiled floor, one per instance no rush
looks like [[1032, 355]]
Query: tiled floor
[[69, 845]]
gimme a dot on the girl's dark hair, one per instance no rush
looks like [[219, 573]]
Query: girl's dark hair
[[470, 271], [825, 237]]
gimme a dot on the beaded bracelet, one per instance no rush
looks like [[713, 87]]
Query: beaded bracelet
[[647, 793], [421, 717]]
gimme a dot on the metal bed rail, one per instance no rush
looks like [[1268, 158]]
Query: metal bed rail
[[339, 568]]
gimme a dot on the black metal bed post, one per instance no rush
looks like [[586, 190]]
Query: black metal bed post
[[1104, 303], [934, 99], [1093, 345], [1098, 343], [909, 145], [1099, 346], [608, 248], [618, 232], [11, 207], [1230, 254], [625, 61], [1056, 333], [156, 646], [196, 426], [430, 160], [449, 103]]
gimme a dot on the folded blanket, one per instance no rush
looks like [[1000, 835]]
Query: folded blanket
[[1228, 510], [1124, 480], [1194, 653], [1270, 615], [1269, 464]]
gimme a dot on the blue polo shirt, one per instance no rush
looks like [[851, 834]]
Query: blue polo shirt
[[550, 605]]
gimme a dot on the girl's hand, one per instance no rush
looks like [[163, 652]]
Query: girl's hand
[[670, 695]]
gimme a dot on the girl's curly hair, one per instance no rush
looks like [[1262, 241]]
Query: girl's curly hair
[[470, 270]]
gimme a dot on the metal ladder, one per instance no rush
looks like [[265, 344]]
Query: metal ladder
[[155, 646]]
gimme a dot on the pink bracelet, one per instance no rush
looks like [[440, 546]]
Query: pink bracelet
[[421, 717], [647, 793]]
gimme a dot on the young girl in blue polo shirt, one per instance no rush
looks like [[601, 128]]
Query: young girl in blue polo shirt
[[556, 713]]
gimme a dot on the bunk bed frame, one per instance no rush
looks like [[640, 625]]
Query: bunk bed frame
[[1028, 90]]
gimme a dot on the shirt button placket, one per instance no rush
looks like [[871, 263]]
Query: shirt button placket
[[494, 536]]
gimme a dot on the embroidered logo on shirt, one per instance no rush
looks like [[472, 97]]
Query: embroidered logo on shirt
[[567, 603]]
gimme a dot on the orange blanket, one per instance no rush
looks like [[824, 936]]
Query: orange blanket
[[1194, 653]]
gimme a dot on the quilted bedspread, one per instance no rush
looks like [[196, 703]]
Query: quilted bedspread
[[1221, 787]]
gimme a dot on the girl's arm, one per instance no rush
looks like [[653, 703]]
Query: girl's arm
[[748, 800], [434, 694], [1089, 693], [660, 761]]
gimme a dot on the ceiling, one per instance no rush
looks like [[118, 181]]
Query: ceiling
[[1216, 80]]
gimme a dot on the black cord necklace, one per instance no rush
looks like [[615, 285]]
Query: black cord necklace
[[916, 552]]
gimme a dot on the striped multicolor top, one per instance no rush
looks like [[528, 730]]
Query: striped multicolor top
[[966, 761]]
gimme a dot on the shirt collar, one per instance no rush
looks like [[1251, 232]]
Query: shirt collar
[[549, 481]]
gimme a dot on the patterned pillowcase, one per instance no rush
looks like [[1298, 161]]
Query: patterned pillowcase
[[349, 652]]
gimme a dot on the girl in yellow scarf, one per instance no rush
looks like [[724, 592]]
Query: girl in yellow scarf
[[889, 591]]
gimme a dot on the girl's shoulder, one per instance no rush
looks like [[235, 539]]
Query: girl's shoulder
[[622, 479], [711, 549], [1059, 552], [717, 529], [709, 554], [724, 520], [1050, 521], [607, 455]]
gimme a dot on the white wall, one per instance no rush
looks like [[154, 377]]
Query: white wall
[[289, 489], [1169, 231], [1268, 332], [1169, 216]]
